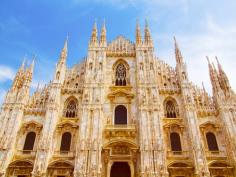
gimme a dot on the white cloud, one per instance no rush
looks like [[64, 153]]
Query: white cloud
[[216, 40], [6, 73]]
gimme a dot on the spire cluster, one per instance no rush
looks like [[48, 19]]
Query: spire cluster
[[147, 35], [94, 36], [24, 74], [219, 79]]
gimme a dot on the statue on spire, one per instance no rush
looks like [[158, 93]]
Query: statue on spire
[[178, 55], [103, 40], [93, 39], [223, 79], [63, 55], [147, 35], [138, 34], [213, 76]]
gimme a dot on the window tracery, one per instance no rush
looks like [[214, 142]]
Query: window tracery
[[121, 75], [171, 110], [71, 109]]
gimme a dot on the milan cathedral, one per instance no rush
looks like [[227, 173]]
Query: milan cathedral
[[120, 112]]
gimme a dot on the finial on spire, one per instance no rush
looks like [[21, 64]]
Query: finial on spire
[[178, 55], [208, 59], [103, 39], [223, 79], [138, 33], [22, 67], [147, 35], [64, 51], [93, 39], [203, 87], [146, 23], [32, 64]]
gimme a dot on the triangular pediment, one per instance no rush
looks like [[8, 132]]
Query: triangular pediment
[[121, 92], [121, 47]]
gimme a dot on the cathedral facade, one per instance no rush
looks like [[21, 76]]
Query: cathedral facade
[[121, 112]]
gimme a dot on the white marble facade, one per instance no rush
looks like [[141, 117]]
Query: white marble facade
[[122, 112]]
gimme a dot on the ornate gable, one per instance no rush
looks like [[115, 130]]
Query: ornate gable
[[121, 47]]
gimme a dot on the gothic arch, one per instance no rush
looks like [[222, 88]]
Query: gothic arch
[[56, 166], [177, 168], [71, 107], [171, 109], [66, 162], [212, 135], [220, 168], [20, 167], [121, 73], [179, 164], [129, 143], [19, 163]]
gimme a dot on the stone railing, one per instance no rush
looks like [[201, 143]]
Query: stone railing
[[178, 154], [206, 111], [169, 89], [119, 131], [211, 155], [25, 154], [64, 154]]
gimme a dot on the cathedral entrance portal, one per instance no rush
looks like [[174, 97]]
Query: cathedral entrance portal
[[120, 169]]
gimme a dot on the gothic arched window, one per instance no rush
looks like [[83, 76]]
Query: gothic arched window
[[121, 75], [120, 115], [65, 142], [71, 109], [29, 141], [211, 142], [170, 109], [175, 142]]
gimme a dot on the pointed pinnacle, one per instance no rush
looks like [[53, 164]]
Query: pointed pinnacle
[[217, 61], [66, 41], [137, 24], [23, 63], [208, 60], [95, 25], [146, 23], [104, 26], [31, 67], [175, 41], [203, 87]]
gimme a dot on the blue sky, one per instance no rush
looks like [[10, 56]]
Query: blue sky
[[202, 27]]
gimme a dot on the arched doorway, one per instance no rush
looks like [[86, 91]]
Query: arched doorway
[[120, 169]]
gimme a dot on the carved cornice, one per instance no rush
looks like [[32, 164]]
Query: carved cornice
[[120, 131], [121, 91]]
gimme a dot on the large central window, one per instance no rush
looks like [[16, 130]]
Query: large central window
[[121, 75]]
